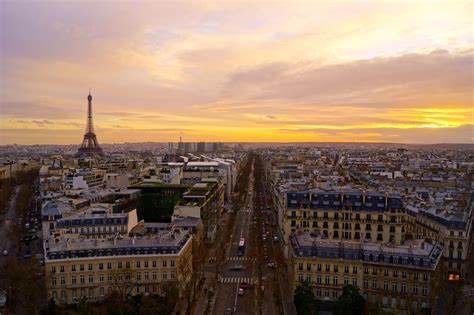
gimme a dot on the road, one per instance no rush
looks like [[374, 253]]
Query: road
[[19, 241], [267, 290]]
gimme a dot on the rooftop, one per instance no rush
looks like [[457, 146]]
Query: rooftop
[[417, 253]]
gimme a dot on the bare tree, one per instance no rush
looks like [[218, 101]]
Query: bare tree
[[123, 281]]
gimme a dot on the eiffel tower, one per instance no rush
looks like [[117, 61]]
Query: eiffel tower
[[90, 145]]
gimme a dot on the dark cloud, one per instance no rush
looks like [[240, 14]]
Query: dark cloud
[[407, 78], [461, 134], [271, 117], [33, 110]]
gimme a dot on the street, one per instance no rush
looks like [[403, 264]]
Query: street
[[252, 282]]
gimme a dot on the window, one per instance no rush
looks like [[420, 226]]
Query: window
[[153, 263], [374, 284], [319, 267], [139, 276], [336, 268], [90, 267], [109, 265], [385, 272], [53, 269], [153, 275], [164, 263], [354, 269], [146, 264], [63, 280], [74, 293], [61, 269], [165, 275], [395, 273], [82, 279], [424, 290], [385, 285], [366, 270], [109, 278], [328, 267], [101, 278], [173, 275], [404, 274], [91, 278], [318, 279], [346, 281], [308, 266], [346, 269], [73, 280], [101, 291], [334, 280], [308, 277], [81, 267], [415, 275], [366, 283], [415, 288], [101, 266], [138, 264], [73, 268], [53, 282], [55, 295], [318, 292], [300, 266], [354, 282], [394, 287], [328, 280], [404, 287]]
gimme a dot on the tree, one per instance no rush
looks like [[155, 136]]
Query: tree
[[123, 281], [305, 301], [351, 302]]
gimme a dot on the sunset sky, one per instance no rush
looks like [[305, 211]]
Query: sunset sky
[[378, 71]]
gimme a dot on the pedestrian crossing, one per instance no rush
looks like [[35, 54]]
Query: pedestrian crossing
[[237, 258], [233, 258], [237, 280]]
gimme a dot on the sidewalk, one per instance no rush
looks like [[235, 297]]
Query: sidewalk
[[202, 304], [286, 295]]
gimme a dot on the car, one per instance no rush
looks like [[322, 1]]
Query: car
[[244, 285], [228, 311], [237, 267], [241, 291], [27, 256], [275, 238], [5, 252]]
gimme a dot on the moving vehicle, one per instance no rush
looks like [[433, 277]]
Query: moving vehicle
[[241, 249], [237, 267]]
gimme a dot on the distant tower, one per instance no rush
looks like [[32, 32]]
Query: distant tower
[[90, 145]]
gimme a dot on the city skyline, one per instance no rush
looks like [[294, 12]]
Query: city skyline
[[238, 72]]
